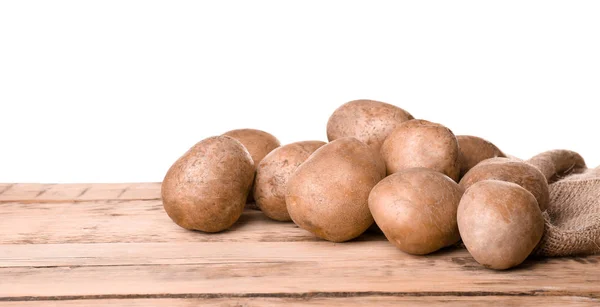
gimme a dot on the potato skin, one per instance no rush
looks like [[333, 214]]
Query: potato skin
[[500, 223], [328, 193], [473, 150], [273, 173], [421, 143], [368, 121], [510, 170], [207, 187], [416, 210], [258, 143]]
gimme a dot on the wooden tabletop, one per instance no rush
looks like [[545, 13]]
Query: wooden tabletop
[[99, 244]]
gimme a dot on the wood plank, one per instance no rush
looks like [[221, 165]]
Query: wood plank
[[260, 268], [375, 300], [129, 221], [43, 193]]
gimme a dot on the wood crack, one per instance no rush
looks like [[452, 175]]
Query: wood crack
[[7, 188], [63, 201], [302, 296], [83, 192]]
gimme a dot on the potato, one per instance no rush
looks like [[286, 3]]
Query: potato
[[420, 143], [416, 210], [369, 121], [258, 143], [510, 170], [273, 173], [474, 150], [207, 187], [327, 195], [500, 223]]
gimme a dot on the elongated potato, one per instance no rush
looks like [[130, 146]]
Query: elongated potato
[[368, 121], [273, 173], [207, 187], [328, 193]]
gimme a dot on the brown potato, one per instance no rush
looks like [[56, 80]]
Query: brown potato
[[273, 173], [327, 195], [368, 121], [206, 188], [474, 150], [416, 210], [420, 143], [259, 143], [510, 170], [500, 223]]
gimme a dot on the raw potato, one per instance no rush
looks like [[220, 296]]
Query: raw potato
[[474, 150], [273, 173], [500, 223], [328, 193], [207, 187], [259, 143], [420, 143], [510, 170], [369, 121], [416, 210]]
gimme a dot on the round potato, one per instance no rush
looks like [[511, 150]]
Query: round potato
[[510, 170], [474, 150], [368, 121], [258, 143], [416, 210], [206, 188], [327, 195], [273, 173], [500, 223], [420, 143]]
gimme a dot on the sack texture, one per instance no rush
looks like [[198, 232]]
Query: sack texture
[[573, 216]]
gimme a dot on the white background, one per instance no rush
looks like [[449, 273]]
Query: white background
[[115, 91]]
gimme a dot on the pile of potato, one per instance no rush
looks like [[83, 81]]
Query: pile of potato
[[424, 187]]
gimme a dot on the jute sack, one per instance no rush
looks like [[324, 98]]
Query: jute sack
[[573, 216]]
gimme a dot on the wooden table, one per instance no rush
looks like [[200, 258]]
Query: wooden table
[[92, 245]]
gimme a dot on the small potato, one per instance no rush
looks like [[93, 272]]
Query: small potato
[[420, 143], [474, 150], [258, 143], [273, 173], [369, 121], [500, 223], [510, 170], [327, 195], [416, 210], [206, 188]]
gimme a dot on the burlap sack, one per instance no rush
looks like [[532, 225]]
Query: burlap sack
[[573, 216]]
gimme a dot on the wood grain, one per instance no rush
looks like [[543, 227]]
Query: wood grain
[[383, 301], [275, 267], [127, 221], [75, 245], [44, 193]]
